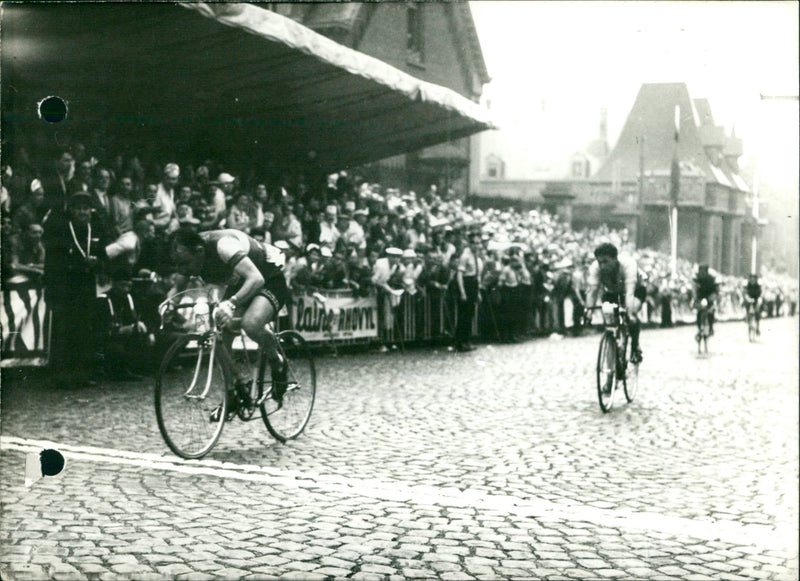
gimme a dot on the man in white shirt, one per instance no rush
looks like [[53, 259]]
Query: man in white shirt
[[385, 268], [328, 232], [352, 232], [164, 215]]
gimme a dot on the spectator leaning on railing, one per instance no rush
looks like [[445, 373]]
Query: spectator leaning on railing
[[357, 221]]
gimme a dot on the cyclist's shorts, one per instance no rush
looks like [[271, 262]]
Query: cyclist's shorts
[[274, 290]]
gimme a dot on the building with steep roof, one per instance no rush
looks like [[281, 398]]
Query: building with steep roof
[[632, 187], [436, 42]]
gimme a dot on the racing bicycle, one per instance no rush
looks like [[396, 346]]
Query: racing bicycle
[[201, 384], [615, 362]]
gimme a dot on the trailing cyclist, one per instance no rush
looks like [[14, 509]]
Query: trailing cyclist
[[256, 286], [705, 287], [752, 297], [618, 276]]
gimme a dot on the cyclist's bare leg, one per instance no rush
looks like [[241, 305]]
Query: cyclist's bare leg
[[757, 310], [634, 325], [254, 323]]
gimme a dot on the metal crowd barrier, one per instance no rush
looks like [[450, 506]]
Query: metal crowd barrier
[[336, 317]]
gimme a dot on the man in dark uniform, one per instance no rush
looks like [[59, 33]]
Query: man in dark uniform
[[256, 286], [74, 248], [127, 344]]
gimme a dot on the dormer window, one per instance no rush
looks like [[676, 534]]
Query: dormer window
[[495, 168]]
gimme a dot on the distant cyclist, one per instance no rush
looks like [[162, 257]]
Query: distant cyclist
[[617, 275], [752, 295], [705, 287], [256, 286]]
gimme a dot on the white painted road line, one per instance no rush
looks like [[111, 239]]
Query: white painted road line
[[725, 531]]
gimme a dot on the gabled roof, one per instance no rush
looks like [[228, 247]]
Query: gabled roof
[[703, 108], [652, 118], [350, 17]]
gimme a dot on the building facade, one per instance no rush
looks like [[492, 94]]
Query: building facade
[[629, 186], [435, 42], [632, 188]]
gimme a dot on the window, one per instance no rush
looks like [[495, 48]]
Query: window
[[495, 167], [415, 47], [577, 169]]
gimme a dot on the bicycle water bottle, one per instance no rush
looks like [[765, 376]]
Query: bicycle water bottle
[[202, 322]]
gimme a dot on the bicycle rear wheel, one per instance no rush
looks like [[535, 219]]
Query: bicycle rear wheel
[[191, 417], [288, 420], [606, 371]]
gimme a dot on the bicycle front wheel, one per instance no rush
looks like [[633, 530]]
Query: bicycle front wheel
[[630, 381], [190, 397], [751, 327], [606, 371], [287, 420], [705, 331]]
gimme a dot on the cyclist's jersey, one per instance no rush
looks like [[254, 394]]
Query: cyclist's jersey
[[753, 291], [226, 248], [618, 284], [705, 287]]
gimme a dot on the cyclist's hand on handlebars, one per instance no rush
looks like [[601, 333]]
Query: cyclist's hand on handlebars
[[223, 314]]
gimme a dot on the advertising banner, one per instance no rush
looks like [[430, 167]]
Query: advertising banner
[[334, 315], [23, 316]]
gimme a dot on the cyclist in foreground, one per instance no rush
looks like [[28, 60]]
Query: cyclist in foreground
[[617, 275], [752, 296], [705, 287], [256, 286]]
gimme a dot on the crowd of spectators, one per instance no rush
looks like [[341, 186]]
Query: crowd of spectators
[[344, 234]]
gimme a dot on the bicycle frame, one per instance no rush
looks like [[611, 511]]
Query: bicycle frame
[[198, 337], [615, 322], [616, 331], [205, 329], [208, 331]]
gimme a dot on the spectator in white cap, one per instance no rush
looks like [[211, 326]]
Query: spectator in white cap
[[164, 216], [383, 271], [328, 232], [226, 180], [385, 268], [412, 268], [309, 268]]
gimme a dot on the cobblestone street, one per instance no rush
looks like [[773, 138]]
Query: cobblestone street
[[495, 464]]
